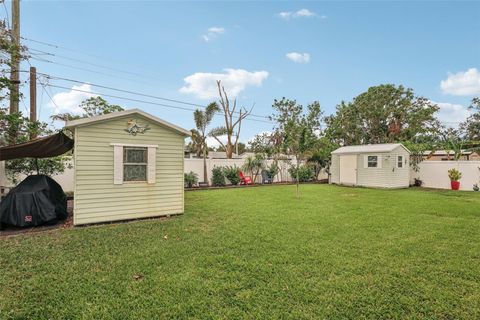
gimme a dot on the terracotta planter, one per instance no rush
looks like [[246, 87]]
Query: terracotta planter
[[455, 185]]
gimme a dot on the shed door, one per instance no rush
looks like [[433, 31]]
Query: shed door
[[348, 169]]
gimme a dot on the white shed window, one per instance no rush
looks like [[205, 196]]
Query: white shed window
[[135, 163], [372, 161], [400, 162]]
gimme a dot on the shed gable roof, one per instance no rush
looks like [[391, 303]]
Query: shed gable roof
[[369, 148], [114, 115]]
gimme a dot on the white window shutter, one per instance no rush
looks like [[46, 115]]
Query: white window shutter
[[365, 162], [151, 171], [117, 165], [379, 159]]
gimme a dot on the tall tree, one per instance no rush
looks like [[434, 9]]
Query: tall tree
[[320, 155], [471, 126], [199, 135], [262, 143], [91, 107], [233, 120], [298, 130], [8, 47], [384, 114]]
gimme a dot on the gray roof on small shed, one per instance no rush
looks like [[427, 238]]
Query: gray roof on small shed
[[369, 148]]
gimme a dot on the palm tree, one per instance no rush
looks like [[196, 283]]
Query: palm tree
[[199, 135], [254, 165]]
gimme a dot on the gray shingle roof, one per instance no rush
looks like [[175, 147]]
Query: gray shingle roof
[[369, 148]]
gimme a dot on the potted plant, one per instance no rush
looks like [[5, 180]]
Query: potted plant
[[454, 176]]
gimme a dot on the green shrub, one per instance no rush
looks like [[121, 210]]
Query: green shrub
[[272, 171], [305, 173], [454, 175], [218, 177], [232, 174], [191, 179]]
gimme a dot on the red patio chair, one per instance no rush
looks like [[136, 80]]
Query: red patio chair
[[244, 180]]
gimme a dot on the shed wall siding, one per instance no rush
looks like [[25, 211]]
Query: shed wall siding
[[98, 199], [388, 176], [335, 169]]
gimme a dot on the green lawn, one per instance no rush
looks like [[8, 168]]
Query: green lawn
[[259, 253]]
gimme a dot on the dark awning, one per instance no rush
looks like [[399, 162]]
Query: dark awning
[[50, 146]]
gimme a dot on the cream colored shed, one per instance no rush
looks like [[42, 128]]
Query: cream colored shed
[[375, 165], [127, 165]]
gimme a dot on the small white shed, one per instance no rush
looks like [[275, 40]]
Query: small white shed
[[373, 165]]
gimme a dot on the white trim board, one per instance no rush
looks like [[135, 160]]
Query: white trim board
[[134, 145]]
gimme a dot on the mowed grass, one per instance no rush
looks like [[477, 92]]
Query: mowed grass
[[259, 253]]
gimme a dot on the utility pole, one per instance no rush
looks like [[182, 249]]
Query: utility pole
[[15, 58], [33, 97]]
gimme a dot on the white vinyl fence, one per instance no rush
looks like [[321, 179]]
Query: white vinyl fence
[[196, 165], [434, 174]]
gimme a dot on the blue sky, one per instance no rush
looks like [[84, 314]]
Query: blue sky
[[337, 50]]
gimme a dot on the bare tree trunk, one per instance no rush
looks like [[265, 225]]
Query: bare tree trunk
[[298, 182], [205, 178], [229, 149]]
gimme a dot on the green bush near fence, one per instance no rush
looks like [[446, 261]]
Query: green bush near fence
[[218, 177], [232, 173]]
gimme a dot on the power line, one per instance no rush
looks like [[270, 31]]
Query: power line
[[136, 100], [98, 72], [84, 69], [41, 52], [78, 52], [137, 93], [51, 99], [41, 42]]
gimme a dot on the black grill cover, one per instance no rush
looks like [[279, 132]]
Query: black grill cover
[[35, 201]]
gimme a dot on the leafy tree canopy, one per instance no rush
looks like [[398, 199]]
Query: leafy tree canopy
[[471, 126], [91, 107], [297, 130], [384, 114]]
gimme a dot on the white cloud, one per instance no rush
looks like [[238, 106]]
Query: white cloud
[[212, 33], [70, 101], [452, 114], [285, 15], [298, 57], [302, 13], [463, 83], [204, 86]]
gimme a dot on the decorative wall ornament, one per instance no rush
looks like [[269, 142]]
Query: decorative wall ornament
[[134, 128]]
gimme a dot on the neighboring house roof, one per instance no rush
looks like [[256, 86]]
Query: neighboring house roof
[[445, 152], [369, 148], [220, 155], [113, 115], [247, 154]]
